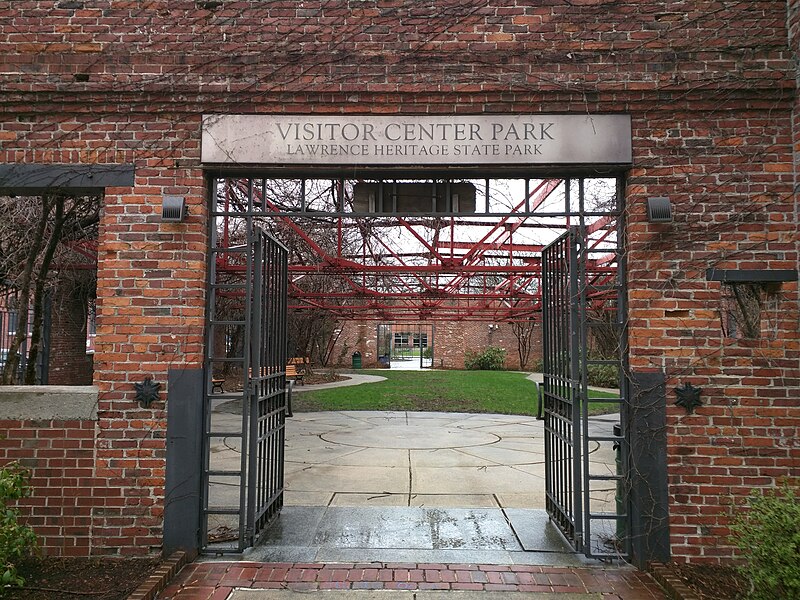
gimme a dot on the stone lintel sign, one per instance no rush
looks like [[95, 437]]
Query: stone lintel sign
[[416, 140]]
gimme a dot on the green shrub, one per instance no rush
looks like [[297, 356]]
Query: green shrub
[[490, 358], [769, 537], [603, 375], [16, 541], [598, 375]]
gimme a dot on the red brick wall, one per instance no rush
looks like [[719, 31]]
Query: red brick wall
[[69, 362], [710, 88], [60, 457], [450, 342]]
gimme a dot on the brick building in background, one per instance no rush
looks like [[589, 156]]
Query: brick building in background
[[110, 95], [449, 341]]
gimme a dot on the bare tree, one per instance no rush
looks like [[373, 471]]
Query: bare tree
[[32, 230], [523, 331]]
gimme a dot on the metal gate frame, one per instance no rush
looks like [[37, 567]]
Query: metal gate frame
[[238, 504], [570, 433]]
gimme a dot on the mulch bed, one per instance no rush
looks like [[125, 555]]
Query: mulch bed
[[53, 578], [322, 377]]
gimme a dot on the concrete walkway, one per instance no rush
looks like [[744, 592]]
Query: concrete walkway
[[421, 487], [414, 502]]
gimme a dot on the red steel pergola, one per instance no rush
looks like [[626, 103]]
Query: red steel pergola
[[410, 268]]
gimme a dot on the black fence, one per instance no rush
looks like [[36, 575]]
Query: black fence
[[9, 323]]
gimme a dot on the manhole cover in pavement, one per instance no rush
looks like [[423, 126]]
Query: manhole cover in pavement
[[411, 437]]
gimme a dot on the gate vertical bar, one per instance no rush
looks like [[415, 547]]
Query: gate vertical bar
[[577, 381]]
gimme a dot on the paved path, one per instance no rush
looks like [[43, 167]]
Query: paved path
[[350, 581], [414, 502], [352, 379]]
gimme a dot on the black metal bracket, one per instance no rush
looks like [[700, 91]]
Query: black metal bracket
[[751, 275]]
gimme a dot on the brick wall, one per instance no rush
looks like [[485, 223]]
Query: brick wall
[[69, 362], [710, 88], [450, 341], [52, 434]]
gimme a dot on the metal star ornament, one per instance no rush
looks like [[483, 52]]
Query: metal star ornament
[[688, 397], [147, 392]]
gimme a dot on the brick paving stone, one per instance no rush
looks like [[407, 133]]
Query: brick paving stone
[[334, 585], [271, 585], [170, 590], [190, 593], [509, 578], [263, 573], [528, 568], [432, 576], [221, 593], [500, 587], [479, 577], [303, 586], [206, 581], [294, 575], [494, 567], [535, 588], [308, 566], [368, 585], [433, 586], [400, 585], [447, 576], [524, 578], [278, 573], [466, 586], [494, 577], [462, 567]]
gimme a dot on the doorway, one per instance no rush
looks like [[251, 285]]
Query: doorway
[[465, 250]]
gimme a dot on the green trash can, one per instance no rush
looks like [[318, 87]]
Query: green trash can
[[356, 360]]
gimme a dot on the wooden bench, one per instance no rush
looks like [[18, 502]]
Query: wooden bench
[[293, 373], [217, 386]]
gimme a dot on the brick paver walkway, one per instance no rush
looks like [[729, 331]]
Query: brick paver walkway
[[216, 580]]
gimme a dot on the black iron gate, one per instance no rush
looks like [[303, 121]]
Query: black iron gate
[[245, 391], [586, 482]]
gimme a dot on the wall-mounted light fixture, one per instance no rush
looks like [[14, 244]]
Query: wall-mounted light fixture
[[659, 210], [173, 209]]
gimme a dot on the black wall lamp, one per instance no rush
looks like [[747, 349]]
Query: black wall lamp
[[659, 210], [173, 209]]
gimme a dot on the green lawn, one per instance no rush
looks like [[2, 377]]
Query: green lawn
[[501, 392]]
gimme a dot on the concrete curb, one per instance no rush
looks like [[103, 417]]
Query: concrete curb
[[672, 584], [161, 577]]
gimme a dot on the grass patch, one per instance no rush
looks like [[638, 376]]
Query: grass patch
[[500, 392]]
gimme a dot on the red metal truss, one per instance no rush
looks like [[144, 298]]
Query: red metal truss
[[413, 268]]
